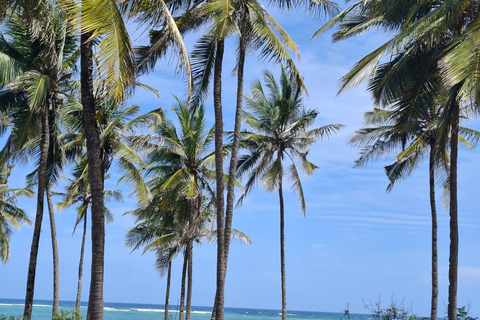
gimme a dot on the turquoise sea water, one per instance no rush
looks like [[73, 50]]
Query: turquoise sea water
[[131, 311]]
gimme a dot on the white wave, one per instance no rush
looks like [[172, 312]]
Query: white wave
[[149, 310], [10, 304], [201, 312], [42, 305], [113, 309]]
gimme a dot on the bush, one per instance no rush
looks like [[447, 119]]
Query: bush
[[67, 315], [395, 311], [3, 317]]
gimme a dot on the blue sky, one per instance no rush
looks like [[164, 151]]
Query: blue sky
[[355, 243]]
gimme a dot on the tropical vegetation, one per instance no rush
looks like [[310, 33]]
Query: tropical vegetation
[[68, 69]]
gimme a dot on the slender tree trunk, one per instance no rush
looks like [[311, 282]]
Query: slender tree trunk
[[232, 170], [167, 294], [217, 103], [80, 265], [42, 169], [282, 251], [453, 258], [55, 254], [190, 257], [233, 161], [190, 281], [95, 173], [433, 207], [182, 292]]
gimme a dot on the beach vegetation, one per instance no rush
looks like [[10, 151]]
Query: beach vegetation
[[424, 82], [67, 315]]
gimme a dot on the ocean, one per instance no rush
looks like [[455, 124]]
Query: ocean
[[132, 311]]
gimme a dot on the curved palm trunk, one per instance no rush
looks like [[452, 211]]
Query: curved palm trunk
[[167, 293], [433, 208], [232, 170], [55, 254], [95, 173], [453, 256], [182, 292], [217, 103], [80, 266], [282, 251], [42, 169]]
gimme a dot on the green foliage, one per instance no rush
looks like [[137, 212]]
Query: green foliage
[[279, 123], [67, 315], [63, 315], [3, 317], [463, 314]]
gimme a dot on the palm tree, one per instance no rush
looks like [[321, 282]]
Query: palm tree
[[427, 24], [115, 65], [279, 124], [163, 229], [35, 63], [410, 86], [10, 214], [181, 164]]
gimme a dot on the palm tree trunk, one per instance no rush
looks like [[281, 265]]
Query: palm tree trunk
[[167, 294], [182, 292], [232, 170], [55, 254], [190, 258], [217, 103], [80, 265], [190, 281], [42, 169], [95, 173], [282, 251], [433, 207], [233, 161], [453, 256]]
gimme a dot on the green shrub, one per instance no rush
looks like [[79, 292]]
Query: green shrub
[[3, 317], [67, 315]]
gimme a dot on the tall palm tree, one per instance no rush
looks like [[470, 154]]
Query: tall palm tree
[[10, 214], [410, 86], [279, 129], [426, 23], [35, 63], [115, 65]]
